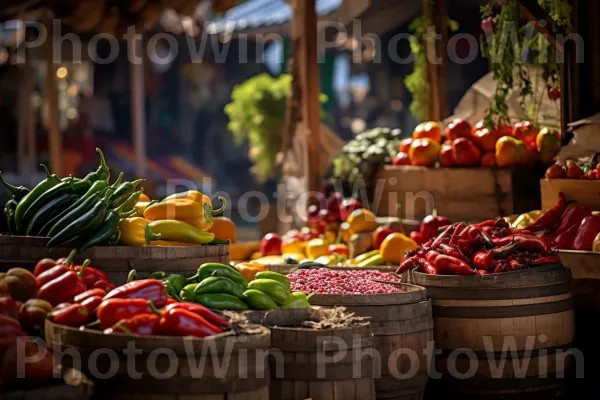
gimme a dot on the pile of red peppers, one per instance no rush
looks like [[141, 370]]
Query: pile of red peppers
[[489, 247], [573, 228]]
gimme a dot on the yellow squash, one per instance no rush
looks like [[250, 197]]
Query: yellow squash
[[394, 247], [136, 232], [179, 231]]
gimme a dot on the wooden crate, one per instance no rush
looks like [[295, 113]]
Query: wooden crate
[[585, 193], [467, 194], [117, 261]]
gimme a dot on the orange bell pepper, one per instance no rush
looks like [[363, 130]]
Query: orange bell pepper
[[250, 269]]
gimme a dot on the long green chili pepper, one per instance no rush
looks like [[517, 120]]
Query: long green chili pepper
[[29, 199], [124, 192], [17, 192], [109, 228], [42, 200], [129, 204]]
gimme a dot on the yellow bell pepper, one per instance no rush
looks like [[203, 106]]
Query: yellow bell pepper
[[394, 247], [330, 260], [316, 248], [144, 198], [331, 235], [296, 246], [243, 251], [180, 232], [136, 232], [596, 245], [185, 208], [362, 220], [250, 269], [345, 232], [193, 195]]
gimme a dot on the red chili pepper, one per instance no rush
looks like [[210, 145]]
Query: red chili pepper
[[515, 265], [200, 310], [482, 272], [489, 222], [427, 267], [484, 260], [43, 266], [148, 289], [8, 307], [406, 264], [104, 285], [92, 303], [62, 289], [457, 232], [181, 322], [573, 216], [143, 324], [505, 251], [564, 241], [550, 218], [90, 293], [443, 236], [171, 300], [74, 315], [554, 259], [431, 256], [430, 225], [486, 239], [526, 242], [61, 306], [453, 266], [112, 311], [449, 251], [588, 230]]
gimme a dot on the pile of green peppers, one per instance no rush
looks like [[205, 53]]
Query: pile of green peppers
[[71, 211], [221, 287]]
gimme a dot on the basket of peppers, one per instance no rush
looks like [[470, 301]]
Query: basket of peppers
[[490, 247]]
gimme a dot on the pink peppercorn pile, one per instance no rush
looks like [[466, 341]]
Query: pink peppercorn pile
[[329, 281]]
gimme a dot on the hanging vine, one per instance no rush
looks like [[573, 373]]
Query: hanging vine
[[417, 82], [509, 44]]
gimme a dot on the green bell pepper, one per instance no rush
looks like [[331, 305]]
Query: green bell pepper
[[257, 300], [297, 300], [219, 284], [221, 301], [274, 276], [216, 269], [274, 289]]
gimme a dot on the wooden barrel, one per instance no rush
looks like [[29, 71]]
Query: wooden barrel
[[333, 363], [117, 261], [527, 314], [222, 367], [403, 328]]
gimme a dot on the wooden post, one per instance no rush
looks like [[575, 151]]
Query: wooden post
[[436, 72], [304, 29], [54, 134], [135, 46]]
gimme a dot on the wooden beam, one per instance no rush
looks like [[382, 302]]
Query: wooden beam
[[138, 117], [305, 30], [54, 134], [532, 11], [436, 71]]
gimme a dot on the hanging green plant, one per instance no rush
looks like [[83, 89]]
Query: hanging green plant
[[506, 43], [417, 82], [257, 114]]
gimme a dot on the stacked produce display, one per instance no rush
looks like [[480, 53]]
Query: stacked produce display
[[467, 146], [87, 212]]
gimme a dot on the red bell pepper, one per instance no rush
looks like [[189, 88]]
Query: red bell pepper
[[142, 324], [588, 229], [51, 274], [8, 307], [89, 293], [452, 266], [200, 310], [431, 224], [43, 266], [62, 289], [171, 300], [564, 240], [148, 289], [551, 217], [573, 216], [112, 311], [91, 276], [104, 285], [74, 315], [92, 303], [181, 322]]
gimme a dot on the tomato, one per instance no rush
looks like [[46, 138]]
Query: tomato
[[430, 130], [465, 153], [446, 157], [459, 128], [401, 159]]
